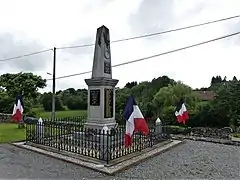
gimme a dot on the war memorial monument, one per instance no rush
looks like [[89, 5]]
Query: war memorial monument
[[97, 142]]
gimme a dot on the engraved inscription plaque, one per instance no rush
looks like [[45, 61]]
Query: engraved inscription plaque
[[107, 67], [108, 103], [95, 97]]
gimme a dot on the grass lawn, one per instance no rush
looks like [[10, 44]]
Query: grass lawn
[[236, 135], [66, 113], [9, 132]]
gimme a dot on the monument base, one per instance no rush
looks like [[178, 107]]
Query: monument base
[[93, 125]]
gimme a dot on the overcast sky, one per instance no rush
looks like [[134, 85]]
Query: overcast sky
[[27, 26]]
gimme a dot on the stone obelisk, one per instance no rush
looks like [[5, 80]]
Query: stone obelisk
[[101, 86]]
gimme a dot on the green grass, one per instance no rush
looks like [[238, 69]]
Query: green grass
[[9, 132], [67, 113], [236, 135]]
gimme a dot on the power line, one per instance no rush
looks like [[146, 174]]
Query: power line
[[156, 55], [125, 39], [25, 55], [154, 34]]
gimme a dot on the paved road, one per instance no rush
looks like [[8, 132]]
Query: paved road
[[190, 160]]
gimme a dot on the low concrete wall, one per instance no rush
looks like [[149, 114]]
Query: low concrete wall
[[223, 133]]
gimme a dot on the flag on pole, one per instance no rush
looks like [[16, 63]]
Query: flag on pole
[[181, 112], [134, 121], [17, 109]]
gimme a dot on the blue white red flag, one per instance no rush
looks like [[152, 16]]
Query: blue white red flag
[[134, 121], [18, 109], [181, 112]]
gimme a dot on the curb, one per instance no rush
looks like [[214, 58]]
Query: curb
[[109, 170], [212, 140]]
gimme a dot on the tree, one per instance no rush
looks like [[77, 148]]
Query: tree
[[122, 96], [6, 103], [216, 83], [76, 102], [225, 79], [234, 78], [226, 105], [167, 97], [130, 85], [26, 84], [46, 101]]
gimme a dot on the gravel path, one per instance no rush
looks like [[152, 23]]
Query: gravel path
[[191, 160]]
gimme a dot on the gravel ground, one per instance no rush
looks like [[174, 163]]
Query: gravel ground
[[191, 160]]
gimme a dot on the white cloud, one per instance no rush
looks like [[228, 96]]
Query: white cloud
[[72, 22]]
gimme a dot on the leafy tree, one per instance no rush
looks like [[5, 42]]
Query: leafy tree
[[204, 116], [26, 84], [156, 98], [145, 92], [122, 96], [71, 91], [167, 97], [46, 101], [216, 83], [6, 103], [227, 104], [77, 102], [130, 85]]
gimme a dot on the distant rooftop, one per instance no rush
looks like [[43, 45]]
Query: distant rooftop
[[205, 95]]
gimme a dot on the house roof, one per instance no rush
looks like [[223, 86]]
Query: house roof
[[205, 95]]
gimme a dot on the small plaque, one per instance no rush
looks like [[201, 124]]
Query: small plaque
[[107, 67], [108, 103], [95, 97]]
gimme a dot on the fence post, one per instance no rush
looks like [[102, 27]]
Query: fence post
[[40, 130], [105, 144], [26, 134], [158, 127]]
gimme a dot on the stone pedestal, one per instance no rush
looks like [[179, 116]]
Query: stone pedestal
[[101, 103], [101, 86]]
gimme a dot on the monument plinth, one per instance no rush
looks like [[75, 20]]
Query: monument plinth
[[101, 86]]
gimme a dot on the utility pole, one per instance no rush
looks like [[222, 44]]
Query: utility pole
[[54, 83]]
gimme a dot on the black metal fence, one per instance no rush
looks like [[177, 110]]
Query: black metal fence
[[71, 136]]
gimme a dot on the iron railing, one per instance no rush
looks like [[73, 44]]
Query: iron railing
[[71, 136]]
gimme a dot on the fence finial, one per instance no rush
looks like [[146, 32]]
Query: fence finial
[[40, 121], [105, 129], [158, 121]]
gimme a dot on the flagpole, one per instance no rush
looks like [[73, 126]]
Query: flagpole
[[54, 83]]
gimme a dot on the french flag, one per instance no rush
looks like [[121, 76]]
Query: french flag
[[181, 112], [17, 109], [134, 121]]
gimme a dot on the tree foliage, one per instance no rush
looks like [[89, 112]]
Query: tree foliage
[[156, 98], [130, 85], [26, 84], [46, 101], [167, 97], [227, 102]]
